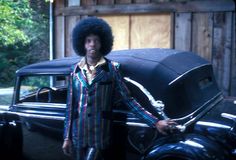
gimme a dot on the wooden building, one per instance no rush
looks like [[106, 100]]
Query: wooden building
[[206, 27]]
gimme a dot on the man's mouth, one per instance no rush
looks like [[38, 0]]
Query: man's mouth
[[92, 51]]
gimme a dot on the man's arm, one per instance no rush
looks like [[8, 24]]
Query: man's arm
[[163, 126], [67, 144]]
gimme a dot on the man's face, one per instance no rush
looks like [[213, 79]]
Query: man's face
[[92, 46]]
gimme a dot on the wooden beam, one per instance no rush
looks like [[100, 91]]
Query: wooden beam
[[233, 70], [189, 6], [222, 53]]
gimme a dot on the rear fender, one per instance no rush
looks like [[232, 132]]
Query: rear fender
[[186, 147]]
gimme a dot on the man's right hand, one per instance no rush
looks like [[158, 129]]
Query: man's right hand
[[67, 147]]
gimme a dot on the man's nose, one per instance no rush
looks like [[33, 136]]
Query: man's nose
[[92, 43]]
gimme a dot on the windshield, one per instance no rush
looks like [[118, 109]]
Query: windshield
[[43, 88]]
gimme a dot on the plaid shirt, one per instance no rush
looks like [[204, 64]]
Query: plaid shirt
[[89, 107]]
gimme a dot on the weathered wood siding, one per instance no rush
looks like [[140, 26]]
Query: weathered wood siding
[[201, 26]]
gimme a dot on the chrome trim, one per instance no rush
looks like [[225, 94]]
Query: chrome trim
[[229, 116], [212, 124], [27, 115], [1, 112], [204, 111], [192, 143], [41, 105], [234, 151], [136, 124], [182, 75], [4, 108], [199, 108]]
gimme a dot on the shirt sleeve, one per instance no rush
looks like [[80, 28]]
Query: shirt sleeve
[[135, 107]]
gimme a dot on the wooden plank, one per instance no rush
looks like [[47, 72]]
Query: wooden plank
[[227, 53], [73, 2], [70, 24], [123, 1], [120, 29], [202, 34], [233, 69], [222, 50], [60, 37], [150, 31], [182, 40], [89, 7], [59, 4], [105, 2], [88, 2], [141, 1]]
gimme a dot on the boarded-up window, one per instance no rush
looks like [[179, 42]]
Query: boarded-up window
[[140, 31]]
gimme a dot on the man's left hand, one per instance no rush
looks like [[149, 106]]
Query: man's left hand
[[165, 126]]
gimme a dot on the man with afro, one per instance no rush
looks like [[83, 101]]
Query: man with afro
[[94, 86]]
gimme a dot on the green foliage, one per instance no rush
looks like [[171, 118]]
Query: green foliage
[[23, 37], [13, 58], [15, 21]]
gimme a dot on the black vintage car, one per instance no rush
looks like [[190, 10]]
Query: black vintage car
[[168, 83]]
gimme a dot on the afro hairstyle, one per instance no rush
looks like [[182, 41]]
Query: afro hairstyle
[[96, 26]]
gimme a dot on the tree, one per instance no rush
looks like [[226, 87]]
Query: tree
[[23, 30], [15, 21]]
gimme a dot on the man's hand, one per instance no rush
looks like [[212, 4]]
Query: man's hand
[[165, 126], [67, 147]]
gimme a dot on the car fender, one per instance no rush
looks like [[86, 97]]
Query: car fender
[[11, 137], [186, 147]]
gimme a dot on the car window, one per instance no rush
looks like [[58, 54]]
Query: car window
[[43, 88]]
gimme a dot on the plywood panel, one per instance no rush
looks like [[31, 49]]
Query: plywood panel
[[150, 31], [120, 28], [202, 34], [105, 2], [182, 40]]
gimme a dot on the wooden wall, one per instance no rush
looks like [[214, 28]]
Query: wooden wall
[[202, 26]]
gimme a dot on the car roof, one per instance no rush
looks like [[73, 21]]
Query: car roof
[[144, 57]]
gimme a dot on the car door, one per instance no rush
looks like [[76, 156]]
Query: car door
[[41, 100]]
